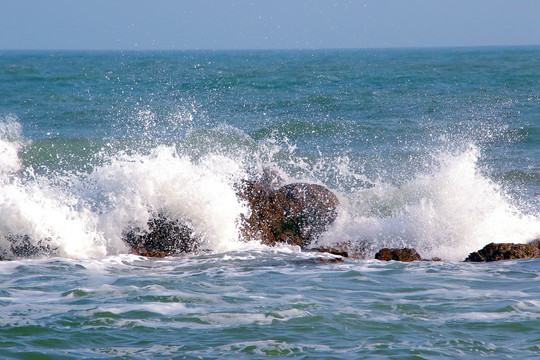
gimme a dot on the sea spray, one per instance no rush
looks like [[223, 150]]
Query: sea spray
[[447, 213], [132, 188], [10, 143], [387, 130], [36, 212]]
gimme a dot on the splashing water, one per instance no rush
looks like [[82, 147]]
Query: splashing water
[[447, 212]]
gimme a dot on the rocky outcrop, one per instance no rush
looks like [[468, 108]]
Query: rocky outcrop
[[404, 255], [504, 251], [163, 237], [293, 214]]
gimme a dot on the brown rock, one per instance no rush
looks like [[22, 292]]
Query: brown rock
[[405, 255], [504, 251], [293, 214]]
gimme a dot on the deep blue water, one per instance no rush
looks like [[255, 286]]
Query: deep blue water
[[436, 149]]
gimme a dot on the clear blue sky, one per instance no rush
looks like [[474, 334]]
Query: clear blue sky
[[270, 24]]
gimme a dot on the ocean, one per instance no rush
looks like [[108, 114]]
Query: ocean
[[435, 148]]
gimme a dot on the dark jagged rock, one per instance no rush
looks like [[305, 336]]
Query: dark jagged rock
[[504, 251], [22, 246], [164, 237], [293, 214], [405, 255], [308, 210]]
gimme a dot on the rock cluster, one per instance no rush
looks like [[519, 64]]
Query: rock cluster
[[294, 214]]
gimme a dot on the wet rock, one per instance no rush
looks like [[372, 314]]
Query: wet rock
[[271, 179], [23, 246], [328, 260], [357, 250], [293, 214], [504, 251], [163, 237], [405, 255], [535, 242]]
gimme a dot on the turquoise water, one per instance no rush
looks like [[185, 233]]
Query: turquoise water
[[268, 304], [436, 149]]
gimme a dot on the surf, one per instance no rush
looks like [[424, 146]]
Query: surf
[[446, 211]]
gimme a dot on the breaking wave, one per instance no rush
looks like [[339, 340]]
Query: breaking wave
[[447, 211]]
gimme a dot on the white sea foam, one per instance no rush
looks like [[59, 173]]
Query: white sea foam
[[38, 210], [447, 212], [201, 194], [88, 217], [10, 143]]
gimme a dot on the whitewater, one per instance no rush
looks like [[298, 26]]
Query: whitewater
[[428, 149]]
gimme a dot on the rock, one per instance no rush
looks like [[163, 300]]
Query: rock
[[293, 214], [504, 251], [271, 178], [405, 255], [348, 250], [164, 237], [328, 260], [535, 242], [22, 246], [308, 210]]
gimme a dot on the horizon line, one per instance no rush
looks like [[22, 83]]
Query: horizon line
[[272, 49]]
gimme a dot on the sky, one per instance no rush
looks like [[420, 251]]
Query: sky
[[270, 24]]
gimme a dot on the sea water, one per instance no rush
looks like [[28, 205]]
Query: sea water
[[436, 149]]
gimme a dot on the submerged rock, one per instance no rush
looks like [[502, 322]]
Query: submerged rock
[[357, 250], [323, 260], [405, 255], [294, 214], [163, 237], [504, 251]]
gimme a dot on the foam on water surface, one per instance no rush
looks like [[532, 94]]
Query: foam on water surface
[[447, 210]]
